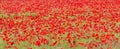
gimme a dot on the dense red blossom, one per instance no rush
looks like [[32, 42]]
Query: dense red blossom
[[87, 23]]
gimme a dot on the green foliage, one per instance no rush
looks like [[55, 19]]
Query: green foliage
[[2, 44]]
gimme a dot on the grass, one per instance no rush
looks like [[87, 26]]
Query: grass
[[12, 15]]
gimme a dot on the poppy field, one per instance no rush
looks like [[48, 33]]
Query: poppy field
[[59, 24]]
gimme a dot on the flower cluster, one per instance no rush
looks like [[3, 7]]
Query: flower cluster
[[59, 24]]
